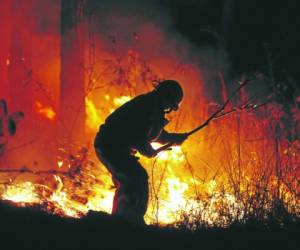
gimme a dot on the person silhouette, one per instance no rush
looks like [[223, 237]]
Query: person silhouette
[[131, 128]]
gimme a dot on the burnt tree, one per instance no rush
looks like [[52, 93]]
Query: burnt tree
[[72, 90]]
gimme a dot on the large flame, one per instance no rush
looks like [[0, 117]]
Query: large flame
[[174, 190]]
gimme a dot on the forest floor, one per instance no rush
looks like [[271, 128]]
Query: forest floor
[[31, 228]]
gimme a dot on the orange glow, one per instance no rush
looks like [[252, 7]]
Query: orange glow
[[47, 112], [195, 178], [93, 118], [118, 101], [192, 178], [21, 193], [239, 164], [60, 164]]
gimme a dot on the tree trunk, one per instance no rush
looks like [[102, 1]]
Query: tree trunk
[[72, 91], [19, 70], [5, 19]]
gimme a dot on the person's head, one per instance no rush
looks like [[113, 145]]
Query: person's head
[[170, 94]]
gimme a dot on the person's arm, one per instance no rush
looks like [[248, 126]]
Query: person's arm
[[176, 138], [146, 149]]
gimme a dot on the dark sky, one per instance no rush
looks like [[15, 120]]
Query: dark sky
[[250, 26]]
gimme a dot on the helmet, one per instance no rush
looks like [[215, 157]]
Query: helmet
[[171, 92]]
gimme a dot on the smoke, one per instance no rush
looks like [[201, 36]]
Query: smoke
[[118, 26], [46, 14], [149, 28]]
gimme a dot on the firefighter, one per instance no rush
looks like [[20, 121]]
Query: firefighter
[[132, 128], [8, 125]]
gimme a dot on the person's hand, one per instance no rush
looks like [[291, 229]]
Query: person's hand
[[179, 138]]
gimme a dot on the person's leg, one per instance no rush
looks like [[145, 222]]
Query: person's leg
[[131, 182], [112, 166], [142, 192], [131, 196]]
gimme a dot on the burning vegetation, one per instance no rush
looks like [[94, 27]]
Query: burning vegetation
[[244, 165]]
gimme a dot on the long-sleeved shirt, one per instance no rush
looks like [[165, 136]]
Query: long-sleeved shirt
[[134, 125]]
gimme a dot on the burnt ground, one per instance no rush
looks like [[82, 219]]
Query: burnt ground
[[31, 228]]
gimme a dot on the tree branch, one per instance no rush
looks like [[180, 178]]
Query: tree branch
[[243, 83]]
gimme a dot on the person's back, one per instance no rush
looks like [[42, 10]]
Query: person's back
[[132, 124]]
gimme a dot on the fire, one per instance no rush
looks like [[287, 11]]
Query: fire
[[177, 188], [93, 118], [118, 101], [21, 193], [218, 174], [60, 163], [102, 199], [174, 154], [64, 203], [173, 191], [47, 112], [174, 201]]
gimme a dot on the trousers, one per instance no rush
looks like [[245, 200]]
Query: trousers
[[131, 182]]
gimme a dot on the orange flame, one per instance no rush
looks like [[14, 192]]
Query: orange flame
[[47, 112], [213, 173]]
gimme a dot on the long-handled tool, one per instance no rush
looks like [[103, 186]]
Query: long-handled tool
[[213, 116]]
